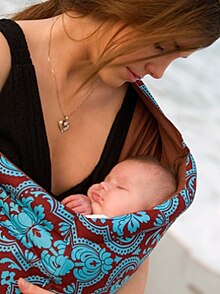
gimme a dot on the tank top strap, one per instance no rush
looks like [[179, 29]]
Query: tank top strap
[[16, 41]]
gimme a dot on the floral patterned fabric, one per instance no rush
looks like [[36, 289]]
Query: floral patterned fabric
[[51, 246]]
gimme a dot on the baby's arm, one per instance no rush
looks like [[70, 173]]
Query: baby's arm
[[78, 203]]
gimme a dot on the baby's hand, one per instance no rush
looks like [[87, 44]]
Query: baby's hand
[[78, 203]]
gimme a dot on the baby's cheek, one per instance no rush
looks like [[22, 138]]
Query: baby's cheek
[[111, 208], [94, 187]]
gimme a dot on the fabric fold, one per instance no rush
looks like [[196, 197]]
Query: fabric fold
[[51, 246]]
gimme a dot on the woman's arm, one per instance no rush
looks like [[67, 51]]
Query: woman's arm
[[138, 281], [5, 60], [135, 285]]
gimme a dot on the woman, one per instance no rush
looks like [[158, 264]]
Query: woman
[[86, 54]]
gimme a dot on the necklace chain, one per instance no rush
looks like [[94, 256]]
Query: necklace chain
[[63, 124]]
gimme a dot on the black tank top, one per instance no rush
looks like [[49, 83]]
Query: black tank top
[[23, 137]]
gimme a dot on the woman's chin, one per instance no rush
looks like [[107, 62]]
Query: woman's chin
[[111, 79]]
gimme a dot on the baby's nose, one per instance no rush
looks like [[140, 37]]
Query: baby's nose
[[104, 186]]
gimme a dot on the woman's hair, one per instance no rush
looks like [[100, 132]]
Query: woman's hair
[[195, 22]]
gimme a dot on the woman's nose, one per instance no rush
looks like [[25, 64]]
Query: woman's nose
[[156, 71], [157, 67]]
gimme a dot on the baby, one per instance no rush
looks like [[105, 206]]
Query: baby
[[138, 183]]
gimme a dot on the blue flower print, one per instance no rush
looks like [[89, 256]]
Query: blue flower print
[[30, 256], [132, 221], [70, 289], [118, 285], [7, 278], [3, 193], [58, 265], [29, 226], [160, 221], [89, 263]]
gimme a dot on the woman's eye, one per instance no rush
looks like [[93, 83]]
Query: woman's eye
[[159, 47]]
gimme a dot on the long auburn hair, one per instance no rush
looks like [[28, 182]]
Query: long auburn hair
[[196, 22]]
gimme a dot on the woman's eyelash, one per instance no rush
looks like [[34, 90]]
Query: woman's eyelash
[[159, 47]]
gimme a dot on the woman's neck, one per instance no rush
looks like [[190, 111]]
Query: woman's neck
[[71, 52]]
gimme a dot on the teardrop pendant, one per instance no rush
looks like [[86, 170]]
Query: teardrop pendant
[[64, 124]]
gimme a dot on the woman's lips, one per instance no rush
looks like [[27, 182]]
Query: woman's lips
[[133, 77]]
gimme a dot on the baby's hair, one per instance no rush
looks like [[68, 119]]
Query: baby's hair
[[164, 183]]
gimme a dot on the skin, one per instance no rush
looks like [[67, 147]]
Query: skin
[[122, 69], [79, 203], [81, 146], [127, 184]]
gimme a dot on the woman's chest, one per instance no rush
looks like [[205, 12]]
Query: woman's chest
[[75, 153], [73, 157]]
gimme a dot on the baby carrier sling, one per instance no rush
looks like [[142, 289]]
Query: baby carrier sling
[[53, 247]]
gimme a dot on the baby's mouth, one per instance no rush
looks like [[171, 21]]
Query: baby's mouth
[[96, 197]]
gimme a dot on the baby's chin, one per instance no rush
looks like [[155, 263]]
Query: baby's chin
[[96, 208]]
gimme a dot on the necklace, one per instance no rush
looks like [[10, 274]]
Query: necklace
[[64, 123]]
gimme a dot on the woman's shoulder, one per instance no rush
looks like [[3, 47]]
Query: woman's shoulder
[[5, 60]]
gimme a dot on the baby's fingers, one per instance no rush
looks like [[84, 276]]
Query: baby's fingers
[[72, 198]]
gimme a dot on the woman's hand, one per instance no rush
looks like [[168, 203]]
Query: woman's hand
[[28, 288]]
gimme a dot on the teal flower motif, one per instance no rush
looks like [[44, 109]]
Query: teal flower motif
[[57, 264], [64, 228], [30, 256], [132, 221], [118, 285], [7, 278], [152, 240], [11, 263], [156, 238], [89, 263], [55, 261], [70, 289], [14, 207], [3, 193], [159, 221], [29, 226], [106, 259]]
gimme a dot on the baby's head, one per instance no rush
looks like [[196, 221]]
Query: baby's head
[[136, 184]]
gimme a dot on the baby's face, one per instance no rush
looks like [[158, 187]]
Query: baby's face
[[121, 192]]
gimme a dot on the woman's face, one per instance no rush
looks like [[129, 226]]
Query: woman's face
[[127, 69]]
